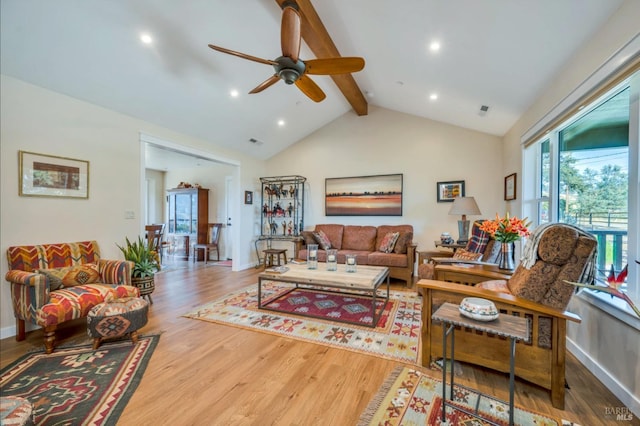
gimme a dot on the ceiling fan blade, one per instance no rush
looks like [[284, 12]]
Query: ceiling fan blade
[[332, 66], [310, 88], [290, 33], [243, 55], [267, 83]]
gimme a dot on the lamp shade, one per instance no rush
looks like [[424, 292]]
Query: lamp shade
[[464, 206]]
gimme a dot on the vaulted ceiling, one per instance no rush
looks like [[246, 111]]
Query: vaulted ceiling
[[497, 53]]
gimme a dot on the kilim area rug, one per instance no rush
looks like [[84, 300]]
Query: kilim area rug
[[396, 337], [78, 385], [410, 397]]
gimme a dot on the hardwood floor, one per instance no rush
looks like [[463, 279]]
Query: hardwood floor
[[208, 374]]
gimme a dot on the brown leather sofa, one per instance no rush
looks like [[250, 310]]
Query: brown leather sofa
[[364, 242]]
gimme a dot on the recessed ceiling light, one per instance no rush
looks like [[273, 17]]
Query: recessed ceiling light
[[434, 46], [281, 123], [234, 93], [433, 96], [146, 38]]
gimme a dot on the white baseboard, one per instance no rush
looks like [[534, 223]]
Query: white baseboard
[[627, 398], [7, 332]]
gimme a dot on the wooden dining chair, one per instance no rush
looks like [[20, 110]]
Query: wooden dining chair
[[213, 238], [155, 234]]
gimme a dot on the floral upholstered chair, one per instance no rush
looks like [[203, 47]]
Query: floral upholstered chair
[[537, 290]]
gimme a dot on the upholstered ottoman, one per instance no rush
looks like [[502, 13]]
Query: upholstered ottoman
[[15, 410], [117, 318]]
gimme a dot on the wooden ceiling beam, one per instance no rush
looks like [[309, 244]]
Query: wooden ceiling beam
[[319, 41]]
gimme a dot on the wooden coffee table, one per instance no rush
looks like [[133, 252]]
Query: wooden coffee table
[[366, 282]]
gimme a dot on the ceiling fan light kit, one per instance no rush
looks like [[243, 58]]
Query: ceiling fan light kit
[[289, 67]]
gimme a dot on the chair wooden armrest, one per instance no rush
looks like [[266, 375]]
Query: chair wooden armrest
[[540, 360], [460, 274]]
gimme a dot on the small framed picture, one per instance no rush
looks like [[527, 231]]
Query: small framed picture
[[248, 197], [510, 187], [447, 191], [43, 175]]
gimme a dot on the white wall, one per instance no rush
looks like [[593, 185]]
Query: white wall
[[388, 142], [606, 345], [38, 120]]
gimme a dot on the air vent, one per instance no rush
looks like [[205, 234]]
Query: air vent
[[255, 141]]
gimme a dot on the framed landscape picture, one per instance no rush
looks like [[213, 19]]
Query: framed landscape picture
[[447, 191], [42, 175], [364, 196]]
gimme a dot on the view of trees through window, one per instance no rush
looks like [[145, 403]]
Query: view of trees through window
[[592, 177]]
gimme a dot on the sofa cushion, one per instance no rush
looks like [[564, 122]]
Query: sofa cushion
[[49, 256], [479, 238], [492, 252], [533, 283], [466, 255], [557, 244], [362, 256], [334, 232], [559, 294], [385, 229], [308, 237], [388, 242], [322, 240], [359, 238], [404, 240], [75, 302], [71, 275], [377, 258]]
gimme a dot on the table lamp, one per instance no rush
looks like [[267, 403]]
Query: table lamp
[[464, 206]]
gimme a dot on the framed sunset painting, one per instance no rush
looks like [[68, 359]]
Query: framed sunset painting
[[379, 195]]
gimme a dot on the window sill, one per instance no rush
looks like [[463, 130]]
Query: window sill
[[614, 306]]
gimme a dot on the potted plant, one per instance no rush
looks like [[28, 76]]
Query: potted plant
[[145, 264]]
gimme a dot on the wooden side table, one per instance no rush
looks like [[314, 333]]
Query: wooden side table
[[514, 328], [269, 253], [452, 246]]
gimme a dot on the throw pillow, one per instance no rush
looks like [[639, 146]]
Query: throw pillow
[[388, 242], [322, 239], [479, 239], [463, 254], [72, 275], [403, 242], [308, 237]]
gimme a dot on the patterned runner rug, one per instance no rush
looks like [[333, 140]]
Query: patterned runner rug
[[79, 385], [411, 397], [396, 337]]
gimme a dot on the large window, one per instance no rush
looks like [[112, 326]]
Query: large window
[[579, 173]]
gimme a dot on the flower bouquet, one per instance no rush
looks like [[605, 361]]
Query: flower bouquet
[[506, 229]]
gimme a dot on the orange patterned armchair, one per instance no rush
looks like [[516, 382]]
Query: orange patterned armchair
[[54, 283]]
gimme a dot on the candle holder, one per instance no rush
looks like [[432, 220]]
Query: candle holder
[[312, 256], [350, 262], [332, 260]]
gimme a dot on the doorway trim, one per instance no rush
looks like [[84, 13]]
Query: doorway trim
[[195, 152]]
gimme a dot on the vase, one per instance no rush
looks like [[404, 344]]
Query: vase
[[312, 256], [506, 257]]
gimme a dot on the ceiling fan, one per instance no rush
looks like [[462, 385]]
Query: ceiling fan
[[289, 67]]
